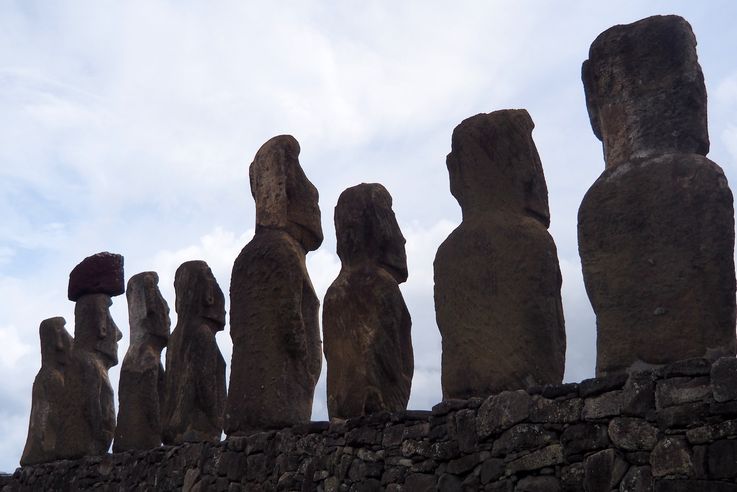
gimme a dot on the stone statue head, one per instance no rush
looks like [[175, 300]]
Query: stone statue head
[[198, 295], [494, 166], [285, 198], [56, 342], [367, 230], [148, 312], [645, 91], [94, 328]]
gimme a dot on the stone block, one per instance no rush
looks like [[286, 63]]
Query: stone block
[[605, 405], [681, 416], [638, 395], [578, 439], [722, 459], [637, 479], [632, 434], [465, 430], [502, 411], [522, 437], [463, 464], [680, 485], [697, 366], [676, 391], [101, 273], [419, 482], [672, 456], [538, 484], [603, 471], [707, 433], [724, 379], [491, 469], [547, 456], [597, 386], [543, 410]]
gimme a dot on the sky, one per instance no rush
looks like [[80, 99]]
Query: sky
[[129, 127]]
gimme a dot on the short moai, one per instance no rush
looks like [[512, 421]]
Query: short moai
[[49, 399], [141, 386], [274, 321], [656, 229], [90, 425], [366, 324], [497, 279], [194, 394]]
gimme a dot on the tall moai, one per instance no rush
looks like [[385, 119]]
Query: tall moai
[[49, 398], [497, 279], [90, 425], [274, 321], [656, 229], [194, 391], [366, 324], [141, 386]]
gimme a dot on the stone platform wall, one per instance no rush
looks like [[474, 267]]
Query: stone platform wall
[[673, 429]]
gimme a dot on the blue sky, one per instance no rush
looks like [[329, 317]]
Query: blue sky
[[129, 127]]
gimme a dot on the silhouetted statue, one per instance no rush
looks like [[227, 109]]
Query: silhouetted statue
[[497, 280], [195, 369], [49, 398], [89, 423], [141, 386], [367, 328], [274, 310], [656, 230]]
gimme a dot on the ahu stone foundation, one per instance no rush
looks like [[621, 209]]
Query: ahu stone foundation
[[667, 430]]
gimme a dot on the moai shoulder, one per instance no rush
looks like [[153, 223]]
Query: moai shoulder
[[274, 310], [366, 324], [656, 230], [141, 386], [497, 279], [195, 370]]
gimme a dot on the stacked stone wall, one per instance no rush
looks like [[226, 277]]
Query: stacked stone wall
[[669, 429]]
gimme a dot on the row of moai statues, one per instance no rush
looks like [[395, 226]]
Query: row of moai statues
[[656, 240]]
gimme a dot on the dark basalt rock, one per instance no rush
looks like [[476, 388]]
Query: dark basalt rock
[[497, 279], [366, 325], [194, 395], [101, 273], [49, 397], [656, 230], [141, 386], [274, 322]]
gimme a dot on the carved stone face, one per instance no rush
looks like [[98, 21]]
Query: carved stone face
[[148, 312], [95, 329], [645, 90], [56, 342], [198, 295], [285, 198], [367, 230], [494, 166]]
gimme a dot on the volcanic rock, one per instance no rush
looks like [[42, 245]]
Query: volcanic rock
[[101, 273]]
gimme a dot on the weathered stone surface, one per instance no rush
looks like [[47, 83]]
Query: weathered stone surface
[[706, 433], [632, 434], [274, 322], [671, 456], [660, 211], [578, 439], [538, 484], [141, 386], [603, 471], [101, 273], [502, 411], [605, 405], [366, 324], [497, 279], [543, 410], [547, 456], [638, 395], [89, 417], [522, 437], [694, 486], [675, 391], [637, 479], [597, 386], [194, 395], [724, 379], [48, 399], [722, 459]]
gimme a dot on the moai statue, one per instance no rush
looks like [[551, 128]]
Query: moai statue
[[195, 370], [274, 320], [368, 344], [90, 423], [49, 399], [497, 279], [656, 230], [141, 386]]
